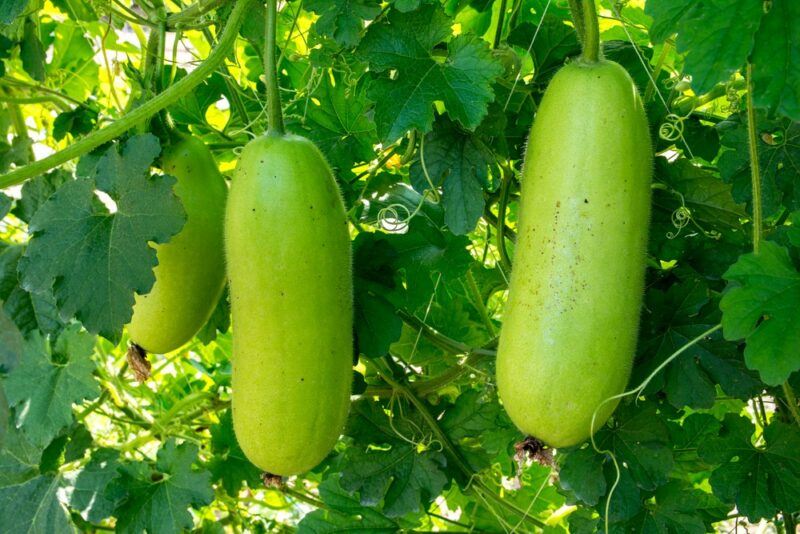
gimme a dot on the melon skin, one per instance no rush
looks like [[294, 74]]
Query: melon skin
[[570, 326], [289, 266]]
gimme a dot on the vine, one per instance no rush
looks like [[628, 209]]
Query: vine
[[274, 111], [591, 32], [636, 392], [171, 95], [475, 483]]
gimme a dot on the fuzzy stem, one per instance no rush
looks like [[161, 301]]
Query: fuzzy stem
[[193, 12], [591, 32], [479, 304], [791, 402], [755, 173], [174, 93], [652, 84], [274, 111], [577, 17]]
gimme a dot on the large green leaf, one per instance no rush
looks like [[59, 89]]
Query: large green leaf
[[95, 259], [49, 380], [761, 480], [158, 497], [761, 306], [462, 80]]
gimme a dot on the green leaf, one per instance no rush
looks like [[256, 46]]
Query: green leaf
[[673, 319], [33, 507], [73, 66], [761, 480], [666, 16], [555, 41], [778, 156], [344, 514], [708, 198], [401, 478], [776, 80], [343, 20], [18, 152], [761, 307], [11, 9], [480, 428], [31, 312], [49, 380], [158, 496], [229, 465], [458, 162], [793, 229], [19, 458], [676, 508], [336, 119], [90, 491], [36, 191], [376, 324], [582, 473], [80, 439], [95, 260], [219, 322], [191, 109], [639, 438], [462, 80], [4, 416], [369, 424], [717, 36], [425, 254], [11, 343], [5, 205], [76, 122], [32, 52]]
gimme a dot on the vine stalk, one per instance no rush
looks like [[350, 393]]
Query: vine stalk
[[755, 173], [576, 10], [498, 34], [505, 189], [591, 32], [479, 304], [458, 461], [171, 95], [755, 177], [274, 112]]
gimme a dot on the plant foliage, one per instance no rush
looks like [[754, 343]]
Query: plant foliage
[[422, 107]]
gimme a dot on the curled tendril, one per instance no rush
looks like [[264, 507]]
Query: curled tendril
[[390, 219], [396, 217], [680, 218], [435, 445], [410, 440], [732, 96], [672, 128]]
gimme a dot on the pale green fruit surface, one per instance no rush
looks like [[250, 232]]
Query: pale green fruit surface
[[571, 321], [289, 266], [190, 274]]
